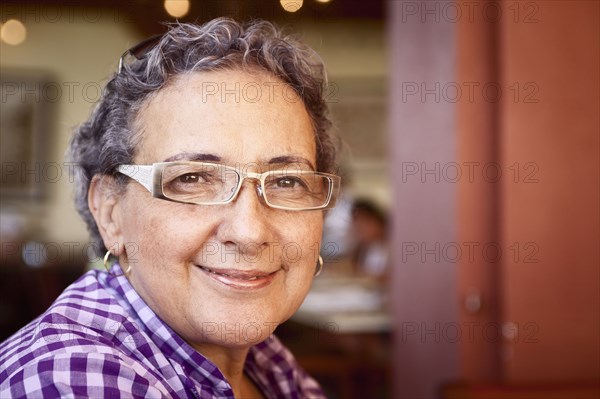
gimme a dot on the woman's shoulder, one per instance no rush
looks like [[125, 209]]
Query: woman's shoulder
[[75, 372], [87, 334], [88, 308]]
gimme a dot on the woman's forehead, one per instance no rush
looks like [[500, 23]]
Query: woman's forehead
[[216, 113], [235, 85]]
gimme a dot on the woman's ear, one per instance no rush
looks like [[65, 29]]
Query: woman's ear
[[103, 201]]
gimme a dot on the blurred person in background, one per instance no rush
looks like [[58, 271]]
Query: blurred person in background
[[369, 229], [193, 198]]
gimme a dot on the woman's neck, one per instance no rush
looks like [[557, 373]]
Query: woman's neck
[[230, 362]]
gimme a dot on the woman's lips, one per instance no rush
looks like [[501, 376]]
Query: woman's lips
[[240, 279]]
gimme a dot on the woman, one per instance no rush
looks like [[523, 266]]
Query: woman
[[198, 180]]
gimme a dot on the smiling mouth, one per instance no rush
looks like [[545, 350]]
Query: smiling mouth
[[240, 279]]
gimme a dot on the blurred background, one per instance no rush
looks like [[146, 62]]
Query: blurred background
[[463, 260]]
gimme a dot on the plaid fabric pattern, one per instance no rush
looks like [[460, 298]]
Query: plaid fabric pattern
[[99, 339]]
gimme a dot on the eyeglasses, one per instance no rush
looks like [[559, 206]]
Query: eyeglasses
[[138, 51], [204, 183]]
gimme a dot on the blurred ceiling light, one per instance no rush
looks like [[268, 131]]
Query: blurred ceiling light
[[291, 5], [13, 32], [177, 8], [323, 1]]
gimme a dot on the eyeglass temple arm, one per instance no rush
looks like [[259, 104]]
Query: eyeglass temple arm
[[139, 50], [140, 173]]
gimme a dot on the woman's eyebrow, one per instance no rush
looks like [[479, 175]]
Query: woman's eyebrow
[[290, 159], [204, 157], [194, 156]]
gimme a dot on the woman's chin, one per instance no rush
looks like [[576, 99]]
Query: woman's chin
[[234, 336], [240, 333]]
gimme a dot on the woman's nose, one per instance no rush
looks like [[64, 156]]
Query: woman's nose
[[247, 218]]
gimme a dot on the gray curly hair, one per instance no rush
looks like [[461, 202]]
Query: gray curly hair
[[107, 139]]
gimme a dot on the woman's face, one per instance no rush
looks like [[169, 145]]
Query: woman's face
[[223, 275]]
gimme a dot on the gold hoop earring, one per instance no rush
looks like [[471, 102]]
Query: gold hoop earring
[[106, 257], [319, 266]]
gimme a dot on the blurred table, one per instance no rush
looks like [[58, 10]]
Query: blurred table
[[341, 336], [349, 305]]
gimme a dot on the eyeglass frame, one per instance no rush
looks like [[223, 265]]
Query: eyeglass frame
[[139, 50], [150, 177]]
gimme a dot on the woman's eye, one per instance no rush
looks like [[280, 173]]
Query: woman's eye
[[190, 178], [289, 182]]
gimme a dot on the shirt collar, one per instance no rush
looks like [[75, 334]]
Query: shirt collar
[[180, 353]]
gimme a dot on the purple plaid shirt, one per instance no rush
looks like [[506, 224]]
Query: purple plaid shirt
[[99, 339]]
